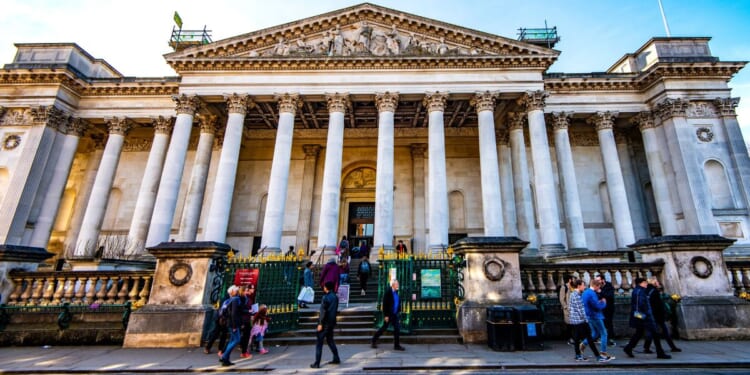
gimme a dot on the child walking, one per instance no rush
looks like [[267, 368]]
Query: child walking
[[260, 326]]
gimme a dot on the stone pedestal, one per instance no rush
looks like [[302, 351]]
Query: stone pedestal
[[492, 276], [14, 257], [694, 268], [179, 307]]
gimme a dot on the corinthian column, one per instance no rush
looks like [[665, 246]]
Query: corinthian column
[[521, 181], [506, 183], [571, 201], [657, 174], [618, 199], [544, 181], [305, 205], [97, 207], [418, 209], [437, 180], [197, 188], [383, 233], [171, 177], [221, 201], [277, 185], [329, 201], [492, 208], [51, 203], [144, 204]]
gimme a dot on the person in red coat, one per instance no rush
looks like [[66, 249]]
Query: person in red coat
[[330, 273]]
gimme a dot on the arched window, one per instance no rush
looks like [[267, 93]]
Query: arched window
[[718, 185], [456, 211]]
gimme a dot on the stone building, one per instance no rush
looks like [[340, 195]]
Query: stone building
[[375, 124]]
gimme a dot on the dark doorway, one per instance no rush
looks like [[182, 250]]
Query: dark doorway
[[361, 224]]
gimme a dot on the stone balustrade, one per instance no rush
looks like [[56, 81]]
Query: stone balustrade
[[739, 276], [545, 279], [79, 287]]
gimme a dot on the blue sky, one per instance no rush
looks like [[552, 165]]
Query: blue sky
[[132, 35]]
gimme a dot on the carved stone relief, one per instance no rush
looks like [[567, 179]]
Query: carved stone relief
[[701, 110], [360, 178]]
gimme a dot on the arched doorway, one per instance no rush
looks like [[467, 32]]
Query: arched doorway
[[358, 205]]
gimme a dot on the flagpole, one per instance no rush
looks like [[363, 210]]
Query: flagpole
[[664, 19]]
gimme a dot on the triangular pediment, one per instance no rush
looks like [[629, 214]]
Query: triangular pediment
[[364, 32]]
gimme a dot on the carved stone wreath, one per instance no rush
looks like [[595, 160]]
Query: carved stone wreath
[[11, 141], [180, 274], [494, 269], [704, 134], [701, 267]]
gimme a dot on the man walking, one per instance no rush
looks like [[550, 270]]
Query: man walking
[[608, 293], [660, 316], [234, 322], [581, 330], [593, 305], [329, 306], [391, 310], [642, 319]]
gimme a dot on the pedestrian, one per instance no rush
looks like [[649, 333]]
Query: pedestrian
[[660, 316], [594, 307], [219, 330], [247, 300], [391, 309], [564, 297], [401, 247], [259, 327], [608, 293], [344, 248], [290, 266], [364, 271], [581, 329], [307, 280], [330, 273], [234, 322], [642, 319], [364, 249], [329, 305], [343, 272]]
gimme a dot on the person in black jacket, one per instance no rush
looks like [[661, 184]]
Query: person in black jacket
[[642, 319], [329, 306], [234, 323], [608, 293], [657, 306], [391, 309]]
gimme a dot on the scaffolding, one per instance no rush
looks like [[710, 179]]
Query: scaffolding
[[545, 37], [182, 39]]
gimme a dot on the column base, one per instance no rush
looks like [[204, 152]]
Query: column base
[[713, 318], [168, 326], [554, 249]]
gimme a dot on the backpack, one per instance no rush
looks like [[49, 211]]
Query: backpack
[[365, 267], [224, 310]]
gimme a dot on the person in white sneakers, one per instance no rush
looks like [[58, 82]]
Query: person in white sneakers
[[580, 324]]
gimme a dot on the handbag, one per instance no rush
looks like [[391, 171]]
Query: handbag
[[306, 295], [637, 314]]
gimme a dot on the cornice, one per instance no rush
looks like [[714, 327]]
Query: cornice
[[141, 87]]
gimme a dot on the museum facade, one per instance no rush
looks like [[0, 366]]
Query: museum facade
[[375, 124]]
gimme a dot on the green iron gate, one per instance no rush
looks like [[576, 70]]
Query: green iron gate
[[428, 288]]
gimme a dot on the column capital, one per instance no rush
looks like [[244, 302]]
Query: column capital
[[561, 120], [435, 101], [418, 150], [337, 102], [78, 126], [516, 120], [209, 123], [726, 106], [118, 125], [162, 125], [669, 108], [186, 104], [311, 151], [644, 120], [603, 120], [238, 103], [502, 136], [533, 100], [484, 101], [288, 102], [48, 115], [386, 101]]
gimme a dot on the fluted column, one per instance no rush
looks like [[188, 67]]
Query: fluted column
[[97, 205], [51, 202], [688, 169], [437, 176], [277, 186], [737, 148], [492, 208], [191, 213], [568, 182], [544, 181], [383, 233], [618, 199], [144, 204], [418, 193], [659, 183], [329, 201], [522, 183], [506, 184], [83, 194], [306, 198], [221, 200], [171, 177]]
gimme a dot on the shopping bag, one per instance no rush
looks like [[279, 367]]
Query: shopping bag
[[306, 295]]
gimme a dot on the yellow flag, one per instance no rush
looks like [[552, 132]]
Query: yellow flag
[[177, 19]]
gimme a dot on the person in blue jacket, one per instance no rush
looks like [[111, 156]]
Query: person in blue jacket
[[642, 319], [594, 307]]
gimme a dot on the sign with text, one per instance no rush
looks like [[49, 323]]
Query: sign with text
[[246, 277], [343, 294]]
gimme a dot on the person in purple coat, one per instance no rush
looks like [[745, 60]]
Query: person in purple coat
[[330, 273]]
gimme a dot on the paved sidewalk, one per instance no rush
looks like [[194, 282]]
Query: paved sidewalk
[[358, 358]]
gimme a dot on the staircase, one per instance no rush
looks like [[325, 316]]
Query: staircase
[[355, 294]]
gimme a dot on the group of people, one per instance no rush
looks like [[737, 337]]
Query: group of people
[[242, 321], [589, 313]]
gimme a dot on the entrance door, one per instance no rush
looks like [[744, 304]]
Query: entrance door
[[361, 223]]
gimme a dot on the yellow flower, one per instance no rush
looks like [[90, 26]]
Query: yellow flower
[[531, 298], [676, 297], [744, 295]]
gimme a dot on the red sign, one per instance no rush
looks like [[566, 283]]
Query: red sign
[[246, 277]]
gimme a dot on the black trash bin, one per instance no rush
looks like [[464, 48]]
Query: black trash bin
[[528, 319], [501, 331]]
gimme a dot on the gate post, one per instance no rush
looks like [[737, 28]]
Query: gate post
[[180, 305], [492, 275]]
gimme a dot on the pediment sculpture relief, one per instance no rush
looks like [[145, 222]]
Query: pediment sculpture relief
[[364, 39], [360, 178]]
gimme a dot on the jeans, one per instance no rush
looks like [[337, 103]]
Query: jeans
[[327, 334], [582, 333], [598, 331], [234, 339]]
